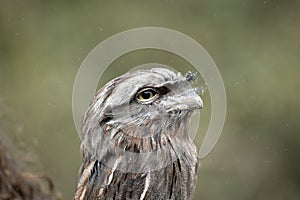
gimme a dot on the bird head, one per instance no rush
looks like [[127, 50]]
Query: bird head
[[141, 111]]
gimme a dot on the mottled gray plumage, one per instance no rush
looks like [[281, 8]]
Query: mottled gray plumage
[[135, 141]]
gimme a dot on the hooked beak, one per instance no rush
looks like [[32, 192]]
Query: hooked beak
[[189, 102]]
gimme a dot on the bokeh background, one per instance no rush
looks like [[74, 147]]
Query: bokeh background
[[255, 44]]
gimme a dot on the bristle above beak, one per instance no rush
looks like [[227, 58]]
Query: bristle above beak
[[190, 76]]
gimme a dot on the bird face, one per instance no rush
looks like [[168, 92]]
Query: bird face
[[147, 97]]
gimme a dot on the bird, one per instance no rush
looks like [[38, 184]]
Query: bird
[[135, 141]]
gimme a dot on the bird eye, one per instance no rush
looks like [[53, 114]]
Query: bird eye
[[146, 95]]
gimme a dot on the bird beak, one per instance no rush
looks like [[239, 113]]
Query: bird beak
[[184, 102]]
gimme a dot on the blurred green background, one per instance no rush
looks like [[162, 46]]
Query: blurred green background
[[255, 44]]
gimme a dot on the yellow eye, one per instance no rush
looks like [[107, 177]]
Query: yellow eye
[[146, 95]]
